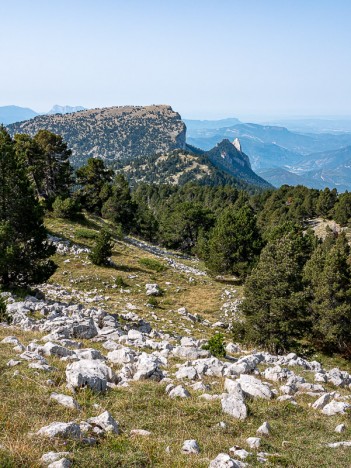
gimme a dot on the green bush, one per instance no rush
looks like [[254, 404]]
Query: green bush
[[152, 264], [152, 301], [66, 208], [216, 345], [120, 283], [86, 233], [4, 316], [102, 250]]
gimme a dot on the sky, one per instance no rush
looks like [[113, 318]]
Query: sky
[[206, 58]]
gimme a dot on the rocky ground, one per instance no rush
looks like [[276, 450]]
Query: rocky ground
[[96, 374]]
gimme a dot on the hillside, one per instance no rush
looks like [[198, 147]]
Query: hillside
[[147, 355], [179, 167], [114, 133]]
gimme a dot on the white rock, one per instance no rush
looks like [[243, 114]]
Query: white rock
[[241, 453], [106, 422], [65, 400], [89, 373], [264, 429], [121, 356], [335, 407], [233, 387], [339, 444], [232, 348], [253, 442], [12, 363], [51, 457], [254, 387], [179, 392], [190, 446], [340, 428], [140, 432], [223, 460], [187, 372], [322, 401], [60, 429], [11, 340], [234, 406], [152, 289], [62, 463]]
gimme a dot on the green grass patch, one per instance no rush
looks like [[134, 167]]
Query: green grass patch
[[152, 264]]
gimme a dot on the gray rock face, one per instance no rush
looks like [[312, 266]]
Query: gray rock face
[[53, 349], [234, 406], [89, 373], [190, 446], [69, 430], [65, 400], [106, 422], [254, 387]]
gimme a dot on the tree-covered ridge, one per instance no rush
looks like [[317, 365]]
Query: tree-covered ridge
[[114, 133], [180, 167]]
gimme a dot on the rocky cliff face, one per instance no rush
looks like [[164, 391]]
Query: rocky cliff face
[[230, 158], [113, 133]]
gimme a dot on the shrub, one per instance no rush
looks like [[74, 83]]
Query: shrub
[[66, 208], [86, 233], [152, 301], [152, 264], [4, 316], [102, 250], [120, 283], [216, 345]]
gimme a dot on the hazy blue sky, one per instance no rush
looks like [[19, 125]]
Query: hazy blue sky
[[206, 58]]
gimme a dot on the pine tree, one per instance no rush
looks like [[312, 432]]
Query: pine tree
[[274, 302], [57, 170], [120, 207], [95, 180], [24, 251], [328, 275], [102, 250], [234, 243]]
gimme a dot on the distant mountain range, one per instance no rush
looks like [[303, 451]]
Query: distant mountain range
[[12, 114], [281, 156]]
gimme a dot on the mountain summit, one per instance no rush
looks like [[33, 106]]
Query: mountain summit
[[113, 133]]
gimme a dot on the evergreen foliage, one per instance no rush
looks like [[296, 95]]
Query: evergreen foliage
[[94, 179], [102, 250], [119, 207], [234, 243], [274, 301], [24, 250], [4, 316], [328, 275], [216, 345]]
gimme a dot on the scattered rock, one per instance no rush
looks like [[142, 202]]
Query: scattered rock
[[140, 432], [106, 422], [89, 373], [65, 400], [234, 406], [179, 392], [340, 428], [253, 442], [69, 430], [51, 457], [264, 429], [190, 446]]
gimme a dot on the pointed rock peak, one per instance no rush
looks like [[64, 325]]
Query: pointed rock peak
[[237, 144]]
